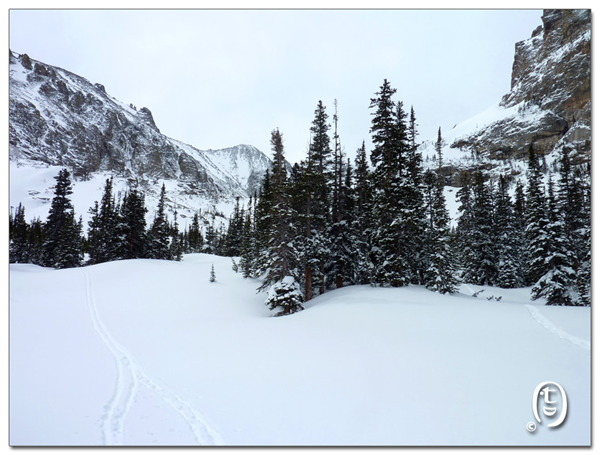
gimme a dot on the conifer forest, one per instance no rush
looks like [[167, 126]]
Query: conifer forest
[[329, 221]]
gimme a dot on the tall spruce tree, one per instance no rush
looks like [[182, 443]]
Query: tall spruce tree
[[281, 256], [507, 239], [62, 236], [160, 232], [362, 218], [398, 213], [536, 216], [133, 215], [558, 281], [19, 237], [440, 274]]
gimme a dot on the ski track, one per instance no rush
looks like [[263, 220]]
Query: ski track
[[552, 328], [129, 377]]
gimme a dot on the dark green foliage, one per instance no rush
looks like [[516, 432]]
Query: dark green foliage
[[398, 215], [440, 274], [62, 233], [160, 232], [507, 239], [133, 218], [19, 236]]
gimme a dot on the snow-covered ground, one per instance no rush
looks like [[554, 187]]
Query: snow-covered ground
[[150, 352], [32, 184]]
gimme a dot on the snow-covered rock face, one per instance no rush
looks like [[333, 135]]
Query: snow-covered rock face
[[549, 104], [62, 119]]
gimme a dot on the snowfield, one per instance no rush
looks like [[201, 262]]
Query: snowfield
[[147, 352]]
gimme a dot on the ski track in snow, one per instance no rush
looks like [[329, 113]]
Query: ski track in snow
[[552, 328], [129, 377]]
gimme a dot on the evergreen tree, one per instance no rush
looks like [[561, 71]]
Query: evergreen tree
[[440, 275], [35, 241], [536, 215], [361, 218], [438, 148], [133, 215], [19, 237], [175, 244], [213, 277], [398, 205], [507, 239], [195, 239], [103, 234], [280, 256], [160, 232], [559, 278], [62, 239]]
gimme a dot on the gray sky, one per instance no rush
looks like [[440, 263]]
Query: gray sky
[[215, 79]]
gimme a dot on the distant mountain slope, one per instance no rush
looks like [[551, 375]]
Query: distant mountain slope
[[62, 119]]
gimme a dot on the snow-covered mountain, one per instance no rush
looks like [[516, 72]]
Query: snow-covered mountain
[[548, 106], [60, 119]]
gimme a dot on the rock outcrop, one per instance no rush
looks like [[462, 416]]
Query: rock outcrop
[[549, 104], [59, 118]]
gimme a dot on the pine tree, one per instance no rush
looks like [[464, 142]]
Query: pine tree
[[361, 218], [213, 277], [506, 239], [536, 215], [159, 235], [195, 239], [19, 237], [175, 244], [133, 215], [559, 278], [440, 275], [62, 239], [438, 148], [398, 205], [103, 235], [35, 241], [280, 256]]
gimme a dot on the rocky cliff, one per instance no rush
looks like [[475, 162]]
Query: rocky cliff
[[549, 104], [59, 118]]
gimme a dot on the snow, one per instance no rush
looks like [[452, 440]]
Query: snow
[[32, 184], [147, 352]]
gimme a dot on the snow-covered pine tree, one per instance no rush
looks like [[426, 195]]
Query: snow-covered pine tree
[[36, 241], [18, 236], [280, 256], [235, 230], [195, 239], [390, 146], [440, 274], [62, 236], [286, 296], [508, 245], [575, 206], [103, 238], [557, 284], [536, 216], [361, 218], [159, 234], [212, 277], [520, 223], [133, 216], [247, 253], [414, 210], [483, 270], [175, 243]]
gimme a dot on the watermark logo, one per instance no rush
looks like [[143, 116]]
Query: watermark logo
[[553, 400]]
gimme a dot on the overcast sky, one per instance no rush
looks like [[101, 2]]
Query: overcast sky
[[215, 79]]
